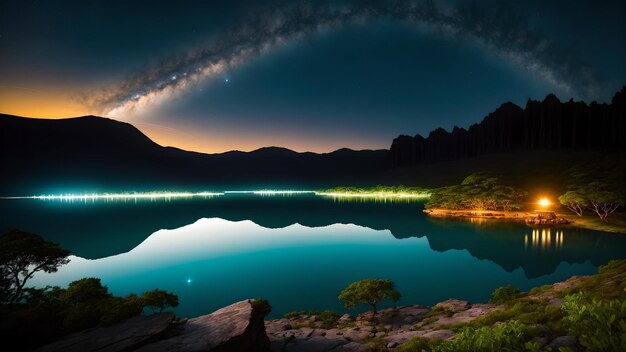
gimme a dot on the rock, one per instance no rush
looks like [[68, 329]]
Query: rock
[[439, 334], [396, 318], [314, 344], [566, 341], [453, 305], [353, 347], [238, 327], [278, 345], [304, 332], [477, 310], [128, 335], [345, 319], [403, 336], [555, 302], [355, 334], [569, 283], [392, 345]]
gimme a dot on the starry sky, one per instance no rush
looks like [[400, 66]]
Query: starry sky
[[214, 76]]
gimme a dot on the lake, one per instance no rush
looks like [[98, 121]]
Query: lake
[[299, 251]]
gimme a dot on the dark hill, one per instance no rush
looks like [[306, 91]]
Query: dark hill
[[96, 154], [541, 125]]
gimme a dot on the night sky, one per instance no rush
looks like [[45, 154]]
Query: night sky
[[214, 76]]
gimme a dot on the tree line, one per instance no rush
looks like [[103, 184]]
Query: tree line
[[478, 191]]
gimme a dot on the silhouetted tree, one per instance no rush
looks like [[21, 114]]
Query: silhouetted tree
[[23, 254], [159, 299], [85, 290]]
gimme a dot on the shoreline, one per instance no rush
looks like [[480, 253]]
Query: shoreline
[[586, 222]]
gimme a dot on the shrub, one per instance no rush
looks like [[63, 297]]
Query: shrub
[[328, 318], [262, 306], [116, 309], [506, 336], [159, 299], [419, 344], [297, 313], [85, 290], [505, 294], [600, 325]]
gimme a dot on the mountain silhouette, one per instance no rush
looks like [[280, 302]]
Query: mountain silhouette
[[94, 153]]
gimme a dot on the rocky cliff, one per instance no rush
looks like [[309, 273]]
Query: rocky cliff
[[547, 124]]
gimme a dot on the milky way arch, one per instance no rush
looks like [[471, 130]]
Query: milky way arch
[[499, 28]]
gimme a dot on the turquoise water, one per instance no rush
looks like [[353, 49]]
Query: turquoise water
[[299, 251]]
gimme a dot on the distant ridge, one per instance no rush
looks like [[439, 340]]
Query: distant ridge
[[541, 125], [96, 153]]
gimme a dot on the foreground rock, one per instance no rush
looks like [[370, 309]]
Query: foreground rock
[[127, 336], [238, 327]]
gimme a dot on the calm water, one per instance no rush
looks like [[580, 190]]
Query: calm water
[[299, 251]]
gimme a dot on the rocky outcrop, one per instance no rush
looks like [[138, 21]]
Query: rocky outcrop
[[547, 124], [238, 327], [392, 327], [126, 336]]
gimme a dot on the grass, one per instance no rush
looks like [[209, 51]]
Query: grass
[[616, 224]]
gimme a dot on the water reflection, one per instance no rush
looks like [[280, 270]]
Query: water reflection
[[544, 240], [101, 230], [213, 262]]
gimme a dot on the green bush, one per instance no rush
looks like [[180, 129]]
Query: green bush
[[328, 318], [505, 294], [262, 306], [506, 336], [117, 309], [527, 311], [85, 290], [420, 344], [600, 325]]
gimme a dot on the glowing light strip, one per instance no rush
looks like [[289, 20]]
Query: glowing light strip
[[171, 195], [267, 192], [374, 195], [123, 196]]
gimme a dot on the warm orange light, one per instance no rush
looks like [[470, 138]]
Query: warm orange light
[[544, 202]]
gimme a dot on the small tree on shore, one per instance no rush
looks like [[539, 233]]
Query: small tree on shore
[[598, 187], [159, 299], [369, 292], [574, 201], [22, 255], [604, 203]]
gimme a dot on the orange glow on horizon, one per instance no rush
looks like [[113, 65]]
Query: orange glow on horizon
[[38, 103], [190, 139]]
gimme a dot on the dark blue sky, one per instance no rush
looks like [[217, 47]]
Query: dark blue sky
[[317, 81]]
